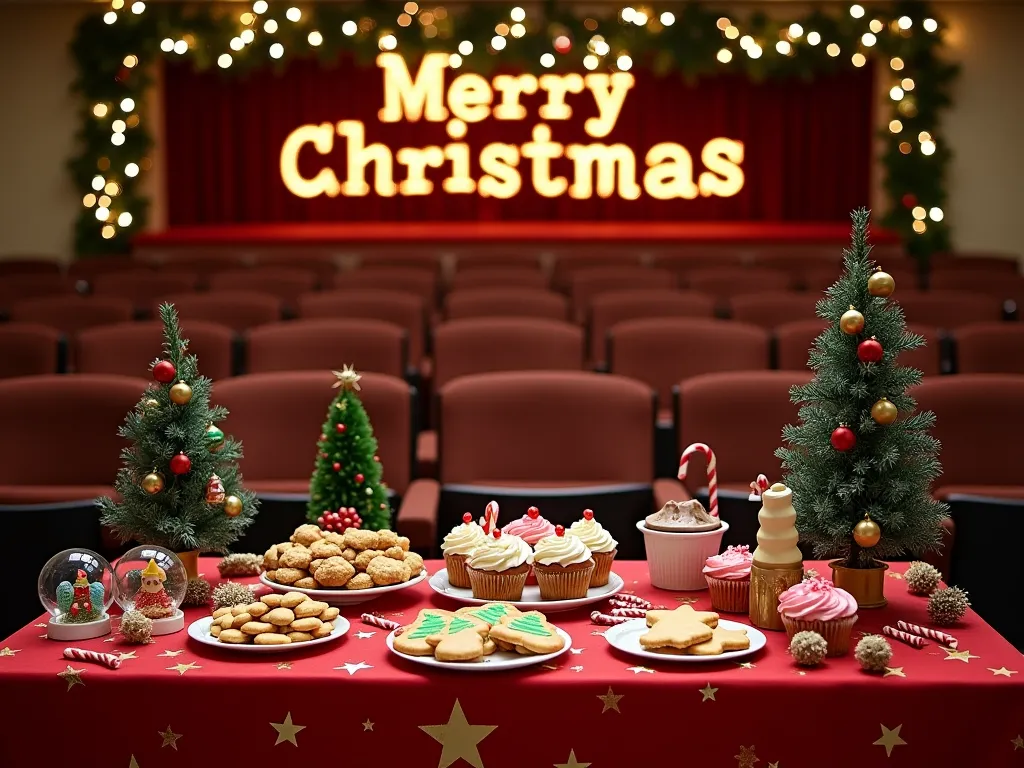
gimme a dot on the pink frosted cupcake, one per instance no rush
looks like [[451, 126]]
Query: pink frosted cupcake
[[600, 543], [819, 606], [531, 528], [728, 577]]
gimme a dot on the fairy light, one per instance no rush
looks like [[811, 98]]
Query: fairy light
[[918, 212], [127, 104], [117, 139], [547, 60], [905, 147], [746, 41], [590, 61], [667, 18], [920, 227], [181, 47], [895, 126], [293, 14], [857, 11], [935, 214], [868, 39], [270, 26], [832, 50], [924, 136], [104, 201], [907, 83], [927, 147], [455, 61], [138, 8], [627, 14], [247, 36], [224, 60], [783, 47], [349, 28], [896, 93], [260, 6], [896, 63], [387, 42], [858, 59], [501, 29], [107, 232], [601, 48], [465, 47], [131, 170], [813, 38], [109, 17], [404, 19], [724, 55], [795, 31], [411, 8], [118, 126], [723, 23], [130, 60], [732, 32], [247, 19], [117, 5], [905, 22], [876, 26], [99, 110], [754, 51], [518, 30], [97, 183], [498, 43], [124, 219], [517, 14], [314, 38], [167, 45], [640, 18], [89, 200], [930, 25], [624, 62], [102, 214], [236, 44], [276, 51]]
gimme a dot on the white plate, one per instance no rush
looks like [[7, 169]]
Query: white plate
[[531, 594], [626, 637], [200, 630], [496, 662], [345, 596]]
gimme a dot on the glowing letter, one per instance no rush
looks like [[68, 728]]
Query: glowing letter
[[510, 87], [325, 182], [557, 86], [721, 156], [359, 156], [669, 173], [499, 162], [469, 97], [542, 150], [460, 182], [609, 103], [584, 156], [417, 160], [408, 99]]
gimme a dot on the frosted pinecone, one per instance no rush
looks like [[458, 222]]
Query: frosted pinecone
[[922, 578], [947, 606], [229, 593], [873, 652], [242, 564], [197, 592], [808, 649], [136, 628]]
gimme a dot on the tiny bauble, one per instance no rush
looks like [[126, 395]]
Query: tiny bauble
[[214, 438], [884, 412], [867, 533], [843, 439], [870, 351], [232, 506], [181, 393], [164, 371], [340, 428], [359, 477], [881, 284], [151, 404], [153, 483], [214, 490], [852, 322], [181, 464]]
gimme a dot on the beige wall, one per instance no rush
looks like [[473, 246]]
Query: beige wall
[[38, 205]]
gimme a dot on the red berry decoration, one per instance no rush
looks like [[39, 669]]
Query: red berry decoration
[[497, 533], [588, 514], [843, 438], [164, 372], [181, 464], [533, 513], [559, 530], [360, 478], [468, 517], [377, 459], [336, 466], [340, 428], [323, 437], [870, 351]]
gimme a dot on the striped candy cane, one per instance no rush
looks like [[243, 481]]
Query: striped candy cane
[[379, 622], [709, 455], [490, 519], [904, 637], [630, 613], [600, 618], [106, 659], [932, 634], [629, 601], [758, 487]]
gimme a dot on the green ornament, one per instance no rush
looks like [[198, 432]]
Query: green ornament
[[214, 438]]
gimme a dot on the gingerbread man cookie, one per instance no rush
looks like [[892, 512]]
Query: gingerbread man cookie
[[680, 628]]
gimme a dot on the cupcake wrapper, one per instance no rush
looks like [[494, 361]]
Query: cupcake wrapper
[[602, 567], [836, 632], [561, 584], [497, 585], [531, 578], [729, 595], [457, 575]]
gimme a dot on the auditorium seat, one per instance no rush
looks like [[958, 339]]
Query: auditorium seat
[[501, 260], [817, 280], [323, 266], [238, 310], [88, 269], [586, 284], [418, 282], [724, 283], [417, 261], [796, 265], [204, 264], [18, 287], [403, 309], [990, 348], [793, 342], [73, 313], [327, 344], [948, 309], [499, 277], [505, 302], [684, 263], [29, 266], [995, 264], [81, 412], [1005, 287], [616, 306], [129, 349], [142, 287], [284, 283], [663, 351], [769, 309], [29, 349], [567, 265]]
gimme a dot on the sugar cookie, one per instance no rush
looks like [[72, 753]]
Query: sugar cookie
[[529, 631], [680, 628]]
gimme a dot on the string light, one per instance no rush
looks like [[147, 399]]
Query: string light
[[856, 11], [547, 60], [293, 14], [117, 5], [876, 26], [783, 47], [247, 36], [795, 31], [624, 62], [97, 183], [858, 59], [924, 136], [104, 201], [517, 14], [746, 41], [109, 17], [224, 60], [919, 227], [167, 45], [724, 55], [411, 8], [896, 93], [260, 6], [100, 110], [907, 83], [270, 26], [590, 61], [627, 14], [387, 43], [640, 18], [502, 29], [927, 147], [107, 232], [236, 44], [131, 170], [723, 23], [813, 38], [754, 51], [896, 63], [518, 30], [138, 8], [276, 51], [935, 214], [118, 126], [455, 61], [89, 200], [832, 50], [498, 43], [918, 212], [117, 139], [133, 121], [465, 47], [314, 38], [732, 32], [349, 28], [895, 126], [124, 220], [404, 19], [905, 147], [868, 39], [930, 25], [181, 47], [246, 19], [601, 48], [102, 213], [905, 22], [130, 60], [667, 18]]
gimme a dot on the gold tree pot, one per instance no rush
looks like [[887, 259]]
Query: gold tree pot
[[867, 585], [190, 560]]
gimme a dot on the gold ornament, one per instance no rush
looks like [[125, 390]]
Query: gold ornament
[[881, 284], [232, 506], [152, 404], [153, 483], [852, 322], [884, 412], [867, 533], [181, 393]]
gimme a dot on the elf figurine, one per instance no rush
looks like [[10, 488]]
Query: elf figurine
[[80, 602], [152, 599]]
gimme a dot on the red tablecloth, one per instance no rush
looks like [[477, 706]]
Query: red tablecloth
[[178, 703]]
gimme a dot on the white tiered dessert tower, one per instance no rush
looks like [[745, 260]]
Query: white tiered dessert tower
[[778, 563]]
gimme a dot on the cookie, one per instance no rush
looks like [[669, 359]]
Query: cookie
[[272, 600], [296, 557], [307, 583], [256, 628], [321, 550], [349, 554], [283, 547], [329, 614], [288, 575], [226, 621], [386, 571], [292, 599], [360, 581], [238, 610], [239, 620], [222, 611], [215, 629], [413, 639], [461, 639], [309, 608], [360, 540], [270, 559], [491, 613], [363, 558], [257, 609], [722, 640], [529, 631], [306, 534], [299, 637], [271, 638], [308, 624], [235, 636], [280, 617], [313, 565], [403, 542], [334, 572], [680, 628], [333, 537], [323, 630], [415, 563]]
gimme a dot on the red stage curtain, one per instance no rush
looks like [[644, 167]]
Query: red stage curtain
[[807, 147]]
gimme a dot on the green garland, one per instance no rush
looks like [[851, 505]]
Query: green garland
[[115, 48]]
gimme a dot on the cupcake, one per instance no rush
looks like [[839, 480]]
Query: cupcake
[[819, 606], [679, 538], [497, 568], [563, 565], [600, 543], [531, 528], [456, 547], [728, 577]]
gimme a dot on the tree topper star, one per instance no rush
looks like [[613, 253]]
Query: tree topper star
[[348, 379]]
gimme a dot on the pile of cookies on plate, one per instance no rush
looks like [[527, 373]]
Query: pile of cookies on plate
[[469, 634], [690, 632], [274, 620], [355, 559]]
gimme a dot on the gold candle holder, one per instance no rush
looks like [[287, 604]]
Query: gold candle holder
[[767, 582]]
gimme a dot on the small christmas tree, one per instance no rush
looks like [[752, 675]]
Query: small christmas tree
[[861, 462], [179, 486], [346, 478]]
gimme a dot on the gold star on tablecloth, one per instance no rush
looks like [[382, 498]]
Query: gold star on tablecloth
[[368, 725], [638, 670], [133, 763], [801, 673], [890, 739], [181, 669], [611, 701], [746, 758], [284, 665], [894, 672], [894, 575], [1018, 743], [126, 656], [287, 731], [169, 654], [572, 762], [1002, 671], [577, 668], [686, 600], [552, 667], [40, 626], [169, 738], [458, 738], [111, 640], [598, 633], [708, 692], [71, 676], [364, 635], [746, 664], [5, 651], [348, 379], [964, 656]]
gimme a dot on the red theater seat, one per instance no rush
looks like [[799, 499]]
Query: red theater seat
[[90, 268], [204, 263], [19, 287], [979, 263], [1005, 287], [28, 349], [285, 284], [587, 284], [73, 313], [817, 280], [418, 261], [684, 263], [770, 309], [725, 283], [948, 309], [327, 344], [237, 310], [569, 264], [323, 267], [506, 302], [484, 260], [39, 266], [990, 348], [499, 277], [142, 287], [408, 280], [128, 349]]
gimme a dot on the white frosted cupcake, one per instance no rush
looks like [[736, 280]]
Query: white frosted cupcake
[[456, 547], [563, 565], [497, 568], [600, 543]]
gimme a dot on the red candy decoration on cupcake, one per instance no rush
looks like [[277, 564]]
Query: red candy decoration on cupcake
[[533, 513], [468, 517], [559, 530], [531, 527]]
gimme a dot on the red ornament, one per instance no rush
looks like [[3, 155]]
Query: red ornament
[[562, 44], [870, 351], [323, 437], [181, 464], [843, 439], [588, 514], [340, 428], [164, 372], [909, 200], [533, 513], [497, 533], [323, 455], [468, 517], [360, 478], [377, 459], [559, 530], [336, 466]]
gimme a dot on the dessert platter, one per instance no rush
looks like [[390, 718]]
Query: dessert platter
[[685, 635]]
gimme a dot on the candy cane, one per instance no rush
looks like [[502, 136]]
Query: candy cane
[[758, 487], [106, 659], [630, 613], [709, 455], [490, 518], [932, 634], [905, 637], [629, 601], [379, 622], [600, 618]]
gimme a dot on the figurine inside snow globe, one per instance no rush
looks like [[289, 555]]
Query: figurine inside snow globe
[[75, 588], [152, 581]]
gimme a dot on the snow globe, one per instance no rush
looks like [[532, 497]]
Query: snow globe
[[75, 587], [152, 581]]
